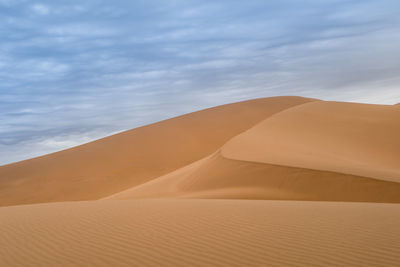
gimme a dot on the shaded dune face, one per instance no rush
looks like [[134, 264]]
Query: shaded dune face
[[128, 159]]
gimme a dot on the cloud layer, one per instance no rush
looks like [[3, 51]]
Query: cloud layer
[[72, 71]]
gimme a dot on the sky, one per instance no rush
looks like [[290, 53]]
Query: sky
[[74, 71]]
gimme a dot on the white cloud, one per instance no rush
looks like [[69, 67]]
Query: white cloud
[[41, 9]]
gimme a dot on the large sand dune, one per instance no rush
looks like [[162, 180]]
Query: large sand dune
[[207, 189], [315, 151]]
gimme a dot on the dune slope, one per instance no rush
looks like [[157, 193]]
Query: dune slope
[[119, 162], [200, 233]]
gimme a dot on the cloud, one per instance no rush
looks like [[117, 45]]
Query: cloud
[[72, 71], [41, 9]]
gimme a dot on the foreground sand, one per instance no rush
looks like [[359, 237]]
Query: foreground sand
[[277, 181], [200, 233]]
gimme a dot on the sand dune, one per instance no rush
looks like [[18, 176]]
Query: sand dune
[[119, 162], [164, 194], [200, 233], [315, 151]]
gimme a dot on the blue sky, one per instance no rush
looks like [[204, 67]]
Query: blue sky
[[73, 71]]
